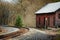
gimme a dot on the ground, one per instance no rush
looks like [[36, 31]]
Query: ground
[[33, 34]]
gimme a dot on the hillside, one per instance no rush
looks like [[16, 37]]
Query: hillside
[[28, 9], [24, 8]]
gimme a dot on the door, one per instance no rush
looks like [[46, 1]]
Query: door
[[46, 21], [38, 22]]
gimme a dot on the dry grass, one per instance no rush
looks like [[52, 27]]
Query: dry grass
[[2, 30]]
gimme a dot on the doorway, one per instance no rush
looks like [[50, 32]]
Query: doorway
[[46, 21]]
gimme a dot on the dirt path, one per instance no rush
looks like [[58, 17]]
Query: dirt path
[[33, 34]]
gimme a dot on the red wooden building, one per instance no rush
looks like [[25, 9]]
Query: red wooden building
[[49, 15]]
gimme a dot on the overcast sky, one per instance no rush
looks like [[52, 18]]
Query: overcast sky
[[10, 1]]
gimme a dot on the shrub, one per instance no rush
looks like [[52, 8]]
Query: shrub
[[18, 22]]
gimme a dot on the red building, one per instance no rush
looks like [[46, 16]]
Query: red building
[[49, 15]]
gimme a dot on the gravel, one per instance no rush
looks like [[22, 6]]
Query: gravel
[[33, 34]]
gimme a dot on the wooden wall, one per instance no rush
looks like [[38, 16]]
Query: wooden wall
[[57, 18], [49, 17]]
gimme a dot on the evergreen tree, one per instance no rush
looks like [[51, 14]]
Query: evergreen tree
[[18, 22]]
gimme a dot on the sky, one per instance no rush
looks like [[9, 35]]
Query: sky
[[10, 1]]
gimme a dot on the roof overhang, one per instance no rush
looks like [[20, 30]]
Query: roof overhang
[[49, 8]]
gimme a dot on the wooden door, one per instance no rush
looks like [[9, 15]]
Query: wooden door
[[46, 21]]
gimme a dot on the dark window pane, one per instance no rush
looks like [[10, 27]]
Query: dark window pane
[[59, 16]]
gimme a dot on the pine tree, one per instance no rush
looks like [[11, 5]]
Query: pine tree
[[18, 22]]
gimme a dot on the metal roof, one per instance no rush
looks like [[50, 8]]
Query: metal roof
[[51, 7]]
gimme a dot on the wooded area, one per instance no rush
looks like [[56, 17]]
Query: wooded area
[[25, 8]]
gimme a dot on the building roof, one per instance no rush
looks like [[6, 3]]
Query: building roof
[[51, 7]]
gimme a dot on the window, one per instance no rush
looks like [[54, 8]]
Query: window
[[59, 16]]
